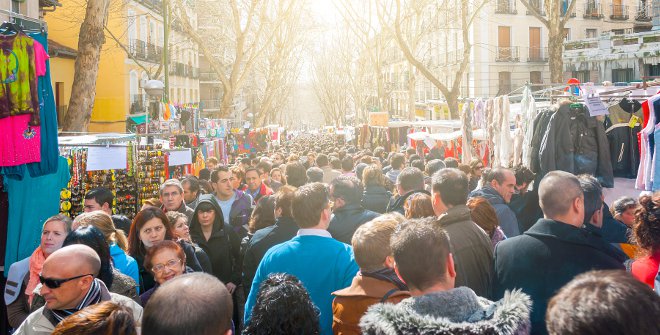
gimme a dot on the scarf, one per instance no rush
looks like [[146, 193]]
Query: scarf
[[388, 275], [36, 264], [92, 297]]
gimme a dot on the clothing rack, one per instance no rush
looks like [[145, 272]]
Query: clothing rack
[[42, 24]]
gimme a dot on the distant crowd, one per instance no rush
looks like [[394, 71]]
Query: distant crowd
[[318, 237]]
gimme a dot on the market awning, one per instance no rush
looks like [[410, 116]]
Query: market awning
[[138, 119]]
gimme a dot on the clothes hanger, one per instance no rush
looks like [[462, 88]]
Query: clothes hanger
[[8, 27]]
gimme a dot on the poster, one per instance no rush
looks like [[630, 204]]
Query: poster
[[180, 157], [379, 119], [106, 158]]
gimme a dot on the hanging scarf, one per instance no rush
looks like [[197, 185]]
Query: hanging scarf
[[36, 263], [387, 275], [92, 297]]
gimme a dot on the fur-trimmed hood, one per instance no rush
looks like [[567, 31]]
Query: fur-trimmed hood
[[457, 311]]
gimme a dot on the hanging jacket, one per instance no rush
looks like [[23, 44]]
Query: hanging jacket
[[222, 247], [539, 128], [624, 150], [575, 142]]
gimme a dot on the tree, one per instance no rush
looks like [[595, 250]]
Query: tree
[[556, 24], [83, 90], [330, 73], [235, 33], [395, 16]]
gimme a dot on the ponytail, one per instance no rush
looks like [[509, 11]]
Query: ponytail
[[120, 238]]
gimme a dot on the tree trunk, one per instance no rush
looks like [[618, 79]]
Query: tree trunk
[[411, 92], [227, 104], [83, 90], [452, 103], [555, 48]]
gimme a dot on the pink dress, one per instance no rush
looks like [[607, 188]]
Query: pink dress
[[19, 142]]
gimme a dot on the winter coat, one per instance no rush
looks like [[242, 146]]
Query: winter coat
[[263, 191], [396, 204], [222, 247], [124, 285], [346, 220], [184, 209], [576, 142], [505, 216], [283, 230], [472, 250], [457, 311], [375, 198], [239, 215], [351, 303], [392, 175], [545, 258], [624, 150]]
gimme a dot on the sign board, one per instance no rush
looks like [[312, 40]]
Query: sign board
[[379, 119], [180, 157], [106, 158]]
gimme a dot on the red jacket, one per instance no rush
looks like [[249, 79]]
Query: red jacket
[[263, 191], [646, 268]]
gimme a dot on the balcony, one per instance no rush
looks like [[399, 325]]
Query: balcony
[[593, 10], [505, 7], [154, 53], [619, 12], [507, 54], [643, 13], [155, 5], [537, 55], [137, 49], [538, 5]]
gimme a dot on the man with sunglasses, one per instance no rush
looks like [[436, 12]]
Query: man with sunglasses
[[69, 284]]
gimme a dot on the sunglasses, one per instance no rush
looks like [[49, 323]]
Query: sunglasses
[[56, 283]]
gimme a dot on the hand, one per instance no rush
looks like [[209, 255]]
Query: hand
[[231, 288]]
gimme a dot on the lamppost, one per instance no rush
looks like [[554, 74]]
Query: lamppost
[[155, 90]]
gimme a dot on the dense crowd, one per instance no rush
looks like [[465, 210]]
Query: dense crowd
[[318, 237]]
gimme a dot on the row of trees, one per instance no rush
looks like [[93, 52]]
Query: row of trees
[[378, 33]]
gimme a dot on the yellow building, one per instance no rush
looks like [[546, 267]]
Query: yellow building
[[132, 54]]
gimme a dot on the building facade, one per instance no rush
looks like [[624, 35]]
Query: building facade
[[132, 54]]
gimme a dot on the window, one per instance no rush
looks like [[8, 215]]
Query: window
[[535, 77], [592, 33], [582, 76], [143, 28], [504, 83], [622, 75], [653, 70], [567, 34], [618, 31], [132, 30]]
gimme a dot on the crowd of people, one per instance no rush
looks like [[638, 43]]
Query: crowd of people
[[317, 237]]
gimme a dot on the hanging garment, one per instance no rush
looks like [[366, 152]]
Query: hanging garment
[[575, 142], [644, 173], [656, 168], [529, 113], [506, 142], [518, 139], [18, 77], [32, 201], [624, 150], [496, 131], [540, 125]]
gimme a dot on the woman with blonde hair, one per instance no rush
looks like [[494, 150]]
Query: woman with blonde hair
[[116, 239], [104, 318], [376, 196]]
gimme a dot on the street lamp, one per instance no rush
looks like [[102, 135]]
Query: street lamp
[[155, 90]]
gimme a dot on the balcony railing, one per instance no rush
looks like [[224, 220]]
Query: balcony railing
[[507, 54], [643, 13], [155, 5], [139, 49], [505, 7], [619, 12], [154, 53], [537, 55], [593, 10], [208, 76], [210, 104]]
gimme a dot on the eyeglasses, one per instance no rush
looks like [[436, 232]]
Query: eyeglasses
[[56, 283], [158, 268]]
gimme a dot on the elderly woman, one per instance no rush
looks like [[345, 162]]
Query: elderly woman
[[23, 276], [165, 260]]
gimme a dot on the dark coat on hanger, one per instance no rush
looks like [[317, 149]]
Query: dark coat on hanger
[[575, 142]]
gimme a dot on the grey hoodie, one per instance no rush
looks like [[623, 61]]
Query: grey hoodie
[[457, 311]]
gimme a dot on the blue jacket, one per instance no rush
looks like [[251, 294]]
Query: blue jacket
[[322, 264], [125, 263], [506, 216], [346, 220]]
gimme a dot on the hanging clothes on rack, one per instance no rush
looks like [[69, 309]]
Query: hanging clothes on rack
[[466, 133], [644, 173], [621, 127], [529, 113], [575, 142]]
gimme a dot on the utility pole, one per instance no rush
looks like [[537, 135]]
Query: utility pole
[[166, 48]]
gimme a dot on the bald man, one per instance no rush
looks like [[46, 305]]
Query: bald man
[[553, 251], [69, 284]]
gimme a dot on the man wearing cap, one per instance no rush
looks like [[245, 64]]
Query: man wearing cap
[[171, 195]]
